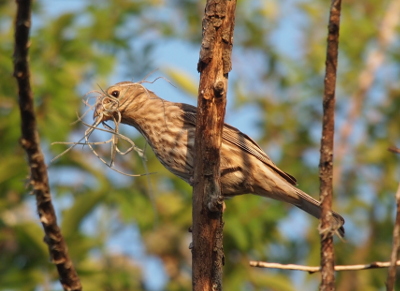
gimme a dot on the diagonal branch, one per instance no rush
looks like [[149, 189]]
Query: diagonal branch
[[394, 150], [30, 142]]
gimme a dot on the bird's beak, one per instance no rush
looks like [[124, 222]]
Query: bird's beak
[[97, 111], [103, 110]]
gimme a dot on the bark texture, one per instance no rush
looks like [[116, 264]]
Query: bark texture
[[214, 65], [326, 159], [31, 143]]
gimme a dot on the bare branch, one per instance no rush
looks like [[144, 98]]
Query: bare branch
[[326, 159], [315, 269], [214, 66], [31, 143], [102, 99], [394, 150]]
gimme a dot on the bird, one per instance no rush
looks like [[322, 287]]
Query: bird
[[169, 128]]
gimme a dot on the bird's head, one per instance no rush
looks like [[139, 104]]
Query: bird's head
[[118, 100]]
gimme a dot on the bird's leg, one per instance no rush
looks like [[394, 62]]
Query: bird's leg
[[216, 202], [191, 243], [191, 178]]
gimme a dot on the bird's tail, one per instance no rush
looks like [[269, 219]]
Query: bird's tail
[[313, 207]]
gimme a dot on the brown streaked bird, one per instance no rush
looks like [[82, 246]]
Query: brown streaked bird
[[169, 128]]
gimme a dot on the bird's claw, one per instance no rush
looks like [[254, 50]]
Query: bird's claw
[[216, 204]]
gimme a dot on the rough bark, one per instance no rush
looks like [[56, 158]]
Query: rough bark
[[326, 159], [31, 143], [214, 65]]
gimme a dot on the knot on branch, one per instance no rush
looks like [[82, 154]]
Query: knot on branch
[[219, 89], [216, 9]]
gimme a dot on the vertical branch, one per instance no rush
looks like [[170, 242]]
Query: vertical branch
[[214, 66], [326, 159], [391, 279], [30, 142]]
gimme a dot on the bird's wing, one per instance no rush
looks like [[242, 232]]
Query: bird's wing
[[243, 141]]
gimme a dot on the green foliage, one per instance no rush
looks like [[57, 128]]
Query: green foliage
[[278, 67]]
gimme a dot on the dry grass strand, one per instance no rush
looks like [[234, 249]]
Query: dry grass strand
[[111, 110]]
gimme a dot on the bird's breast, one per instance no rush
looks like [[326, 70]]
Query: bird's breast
[[173, 147]]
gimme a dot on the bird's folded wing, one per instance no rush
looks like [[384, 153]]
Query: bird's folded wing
[[243, 141]]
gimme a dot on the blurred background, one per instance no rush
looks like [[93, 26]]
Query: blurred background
[[131, 233]]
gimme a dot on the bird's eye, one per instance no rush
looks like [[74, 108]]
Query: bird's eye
[[115, 93]]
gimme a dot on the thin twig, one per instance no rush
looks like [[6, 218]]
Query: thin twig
[[315, 269], [394, 150], [110, 110], [31, 143], [326, 159], [156, 79], [108, 107]]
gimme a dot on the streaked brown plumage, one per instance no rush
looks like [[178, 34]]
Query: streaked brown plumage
[[169, 128]]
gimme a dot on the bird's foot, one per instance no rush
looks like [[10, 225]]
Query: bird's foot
[[216, 204], [191, 180]]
